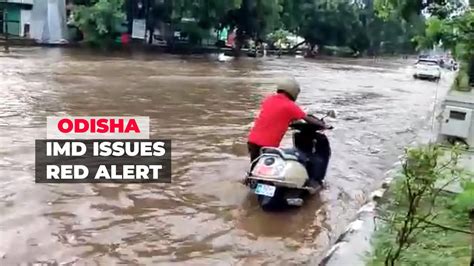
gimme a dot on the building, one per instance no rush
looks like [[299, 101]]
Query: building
[[16, 17], [48, 21]]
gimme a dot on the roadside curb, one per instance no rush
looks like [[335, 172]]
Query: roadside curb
[[355, 242]]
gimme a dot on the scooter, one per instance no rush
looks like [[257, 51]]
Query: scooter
[[280, 176]]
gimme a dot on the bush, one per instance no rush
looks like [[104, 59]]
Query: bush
[[100, 23], [194, 33], [279, 39], [461, 82], [420, 217]]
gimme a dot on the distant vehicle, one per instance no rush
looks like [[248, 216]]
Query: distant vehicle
[[427, 69], [451, 65]]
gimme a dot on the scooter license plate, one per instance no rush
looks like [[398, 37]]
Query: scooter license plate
[[265, 190]]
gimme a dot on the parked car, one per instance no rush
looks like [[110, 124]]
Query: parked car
[[427, 69]]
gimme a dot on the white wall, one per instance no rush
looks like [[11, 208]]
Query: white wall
[[25, 19]]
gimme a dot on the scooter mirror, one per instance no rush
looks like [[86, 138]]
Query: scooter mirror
[[331, 114]]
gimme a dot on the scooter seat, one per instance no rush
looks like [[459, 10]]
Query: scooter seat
[[287, 154], [291, 152], [294, 154]]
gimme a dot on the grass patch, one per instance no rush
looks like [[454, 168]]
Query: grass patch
[[431, 246], [420, 224]]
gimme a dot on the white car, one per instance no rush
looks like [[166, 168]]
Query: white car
[[427, 69]]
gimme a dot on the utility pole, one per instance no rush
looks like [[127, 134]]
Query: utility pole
[[148, 26]]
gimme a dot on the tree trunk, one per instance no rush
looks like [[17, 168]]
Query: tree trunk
[[150, 37], [310, 51], [297, 45], [239, 42], [470, 70]]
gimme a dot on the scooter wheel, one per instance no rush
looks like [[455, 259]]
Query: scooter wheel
[[265, 202], [271, 203]]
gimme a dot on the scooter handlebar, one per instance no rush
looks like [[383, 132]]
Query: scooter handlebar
[[302, 125]]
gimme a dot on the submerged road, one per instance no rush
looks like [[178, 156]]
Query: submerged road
[[205, 216]]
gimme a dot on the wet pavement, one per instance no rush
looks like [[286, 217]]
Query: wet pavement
[[205, 217]]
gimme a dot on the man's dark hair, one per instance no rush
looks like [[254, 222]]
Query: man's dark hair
[[286, 94]]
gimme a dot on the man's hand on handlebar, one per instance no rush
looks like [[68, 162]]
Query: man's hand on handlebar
[[315, 121]]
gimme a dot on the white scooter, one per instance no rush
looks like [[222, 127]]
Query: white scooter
[[280, 176]]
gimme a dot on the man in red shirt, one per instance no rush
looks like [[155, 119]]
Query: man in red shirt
[[276, 113]]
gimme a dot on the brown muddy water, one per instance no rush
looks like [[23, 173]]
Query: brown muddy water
[[205, 217]]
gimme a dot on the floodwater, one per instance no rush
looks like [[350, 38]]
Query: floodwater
[[205, 216]]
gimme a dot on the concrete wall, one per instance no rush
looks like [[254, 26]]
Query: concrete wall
[[25, 20], [48, 21]]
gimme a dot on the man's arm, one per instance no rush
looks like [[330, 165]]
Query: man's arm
[[298, 113], [315, 121]]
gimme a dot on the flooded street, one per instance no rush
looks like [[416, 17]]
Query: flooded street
[[205, 216]]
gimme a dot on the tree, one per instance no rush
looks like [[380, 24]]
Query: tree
[[332, 23], [279, 38], [356, 25], [100, 23], [455, 34], [416, 196], [205, 15], [409, 9], [253, 19]]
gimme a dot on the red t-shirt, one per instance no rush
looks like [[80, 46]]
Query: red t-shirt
[[276, 113]]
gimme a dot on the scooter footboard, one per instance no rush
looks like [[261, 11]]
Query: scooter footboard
[[254, 180], [278, 183]]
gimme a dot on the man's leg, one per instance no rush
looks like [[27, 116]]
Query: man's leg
[[254, 152], [319, 161], [316, 170]]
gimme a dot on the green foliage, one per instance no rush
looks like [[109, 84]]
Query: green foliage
[[408, 9], [279, 38], [321, 22], [292, 13], [433, 246], [254, 19], [465, 200], [353, 24], [194, 32], [416, 201], [334, 23], [461, 82], [100, 22], [455, 34], [208, 13]]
